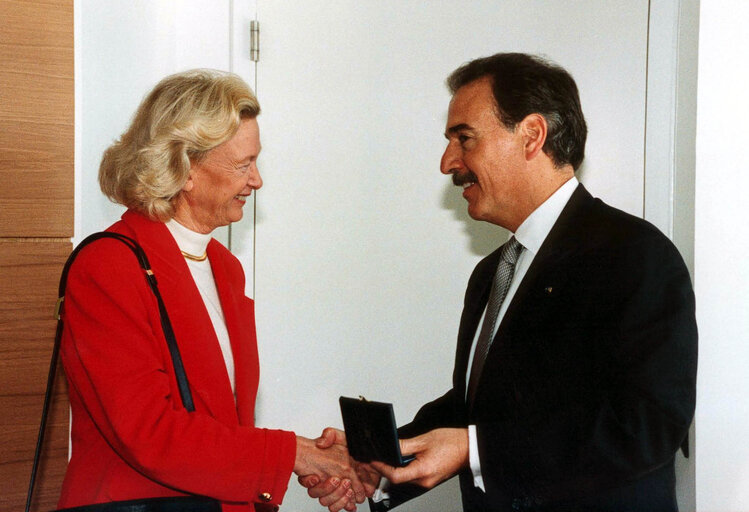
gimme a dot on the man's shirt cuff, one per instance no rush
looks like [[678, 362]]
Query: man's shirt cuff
[[473, 457], [381, 493]]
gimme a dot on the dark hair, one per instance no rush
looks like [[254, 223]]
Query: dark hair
[[525, 84]]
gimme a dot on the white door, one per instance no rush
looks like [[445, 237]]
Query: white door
[[363, 249]]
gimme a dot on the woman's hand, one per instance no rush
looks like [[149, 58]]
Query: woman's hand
[[326, 464]]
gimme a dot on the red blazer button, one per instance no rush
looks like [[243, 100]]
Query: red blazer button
[[265, 496]]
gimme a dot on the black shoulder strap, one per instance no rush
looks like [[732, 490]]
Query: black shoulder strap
[[179, 370]]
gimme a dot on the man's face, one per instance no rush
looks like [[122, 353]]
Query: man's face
[[484, 157]]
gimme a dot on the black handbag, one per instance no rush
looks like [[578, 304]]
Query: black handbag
[[169, 504]]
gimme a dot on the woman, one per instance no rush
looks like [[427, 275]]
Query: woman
[[186, 166]]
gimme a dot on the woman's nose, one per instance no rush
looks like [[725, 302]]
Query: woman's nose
[[255, 181]]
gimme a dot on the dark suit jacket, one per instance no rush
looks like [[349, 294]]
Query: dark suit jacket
[[589, 387]]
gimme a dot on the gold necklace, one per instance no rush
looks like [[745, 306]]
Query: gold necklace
[[192, 257]]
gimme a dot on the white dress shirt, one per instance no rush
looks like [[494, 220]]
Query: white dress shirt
[[531, 234]]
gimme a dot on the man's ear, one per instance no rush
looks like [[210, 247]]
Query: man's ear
[[534, 130]]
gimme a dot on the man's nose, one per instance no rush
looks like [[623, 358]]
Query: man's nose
[[451, 161]]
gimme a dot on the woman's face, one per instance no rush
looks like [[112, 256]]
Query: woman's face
[[219, 185]]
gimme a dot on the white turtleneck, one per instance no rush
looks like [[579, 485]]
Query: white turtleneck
[[196, 244]]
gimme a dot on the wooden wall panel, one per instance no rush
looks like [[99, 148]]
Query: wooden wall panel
[[17, 443], [36, 118], [29, 273], [36, 223]]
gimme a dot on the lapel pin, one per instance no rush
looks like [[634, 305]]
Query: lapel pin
[[548, 290]]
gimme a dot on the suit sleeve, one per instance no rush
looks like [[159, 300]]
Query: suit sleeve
[[438, 413], [613, 394], [117, 366]]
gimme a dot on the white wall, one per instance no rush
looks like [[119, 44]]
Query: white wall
[[721, 249]]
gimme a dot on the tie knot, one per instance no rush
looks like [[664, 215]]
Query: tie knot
[[511, 250]]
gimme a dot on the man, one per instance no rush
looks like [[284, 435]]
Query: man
[[579, 394]]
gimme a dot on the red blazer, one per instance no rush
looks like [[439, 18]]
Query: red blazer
[[131, 437]]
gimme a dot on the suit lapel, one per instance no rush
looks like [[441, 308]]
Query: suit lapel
[[193, 330], [559, 243]]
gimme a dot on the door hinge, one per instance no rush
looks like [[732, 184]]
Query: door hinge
[[254, 40]]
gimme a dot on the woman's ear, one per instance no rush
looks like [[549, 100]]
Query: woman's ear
[[190, 183], [534, 130]]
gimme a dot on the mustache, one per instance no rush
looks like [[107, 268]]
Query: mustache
[[467, 177]]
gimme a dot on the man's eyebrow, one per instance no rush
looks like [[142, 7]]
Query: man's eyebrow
[[456, 128]]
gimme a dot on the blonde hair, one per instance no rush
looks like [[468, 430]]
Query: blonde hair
[[185, 116]]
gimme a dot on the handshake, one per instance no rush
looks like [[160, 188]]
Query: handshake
[[326, 469]]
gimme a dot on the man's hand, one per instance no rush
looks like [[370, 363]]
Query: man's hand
[[440, 454], [333, 492]]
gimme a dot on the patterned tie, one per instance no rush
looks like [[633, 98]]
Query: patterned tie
[[505, 270]]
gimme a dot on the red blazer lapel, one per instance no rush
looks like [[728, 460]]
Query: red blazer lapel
[[239, 315], [199, 347]]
